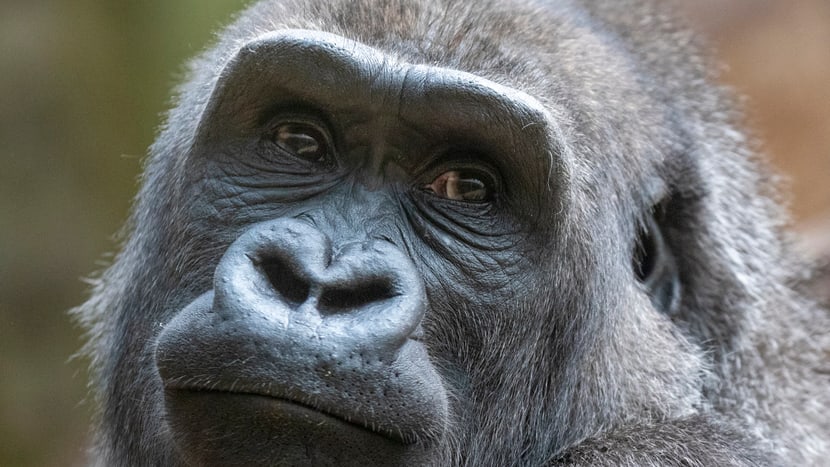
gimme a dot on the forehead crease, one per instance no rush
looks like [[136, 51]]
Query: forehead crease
[[317, 61], [459, 100]]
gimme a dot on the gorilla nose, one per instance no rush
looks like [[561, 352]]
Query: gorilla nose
[[358, 278], [364, 294]]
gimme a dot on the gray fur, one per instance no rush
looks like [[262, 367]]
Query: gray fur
[[586, 373]]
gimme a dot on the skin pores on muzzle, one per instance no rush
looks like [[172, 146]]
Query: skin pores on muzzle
[[451, 233]]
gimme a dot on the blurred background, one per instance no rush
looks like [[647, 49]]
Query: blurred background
[[83, 85]]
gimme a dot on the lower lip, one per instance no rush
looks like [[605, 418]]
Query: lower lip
[[212, 427]]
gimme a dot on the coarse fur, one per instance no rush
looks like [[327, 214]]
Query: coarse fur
[[577, 367]]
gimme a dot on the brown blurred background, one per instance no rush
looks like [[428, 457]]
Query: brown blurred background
[[82, 87]]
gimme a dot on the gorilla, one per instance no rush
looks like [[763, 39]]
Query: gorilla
[[492, 233]]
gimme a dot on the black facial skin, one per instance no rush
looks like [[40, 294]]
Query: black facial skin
[[375, 206], [406, 233]]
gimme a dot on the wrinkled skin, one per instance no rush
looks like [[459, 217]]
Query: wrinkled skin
[[508, 233]]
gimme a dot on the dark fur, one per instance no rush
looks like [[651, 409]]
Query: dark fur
[[586, 372]]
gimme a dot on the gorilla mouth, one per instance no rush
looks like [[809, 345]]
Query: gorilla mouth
[[218, 427], [263, 405]]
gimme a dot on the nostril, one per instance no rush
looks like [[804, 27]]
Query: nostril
[[349, 297], [285, 281]]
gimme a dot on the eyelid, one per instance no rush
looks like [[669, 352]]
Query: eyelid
[[459, 160], [299, 112], [300, 118]]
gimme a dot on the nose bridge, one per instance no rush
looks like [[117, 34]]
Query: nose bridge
[[355, 214]]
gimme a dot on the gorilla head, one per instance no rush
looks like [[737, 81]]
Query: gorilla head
[[454, 233]]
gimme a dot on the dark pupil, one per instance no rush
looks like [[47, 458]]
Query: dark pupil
[[301, 140]]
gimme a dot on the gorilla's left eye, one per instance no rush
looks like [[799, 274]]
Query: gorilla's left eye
[[463, 185], [304, 140]]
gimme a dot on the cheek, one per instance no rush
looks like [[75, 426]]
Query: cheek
[[472, 291], [456, 272], [248, 181], [221, 194]]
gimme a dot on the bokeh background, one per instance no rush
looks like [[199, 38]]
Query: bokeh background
[[82, 88]]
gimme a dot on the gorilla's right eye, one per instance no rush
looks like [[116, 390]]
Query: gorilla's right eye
[[469, 185], [305, 140]]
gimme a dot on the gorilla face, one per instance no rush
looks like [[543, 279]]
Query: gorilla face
[[374, 193], [486, 234]]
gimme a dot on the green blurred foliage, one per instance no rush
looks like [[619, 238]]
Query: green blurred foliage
[[83, 85]]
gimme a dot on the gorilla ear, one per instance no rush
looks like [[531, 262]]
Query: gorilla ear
[[655, 267]]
